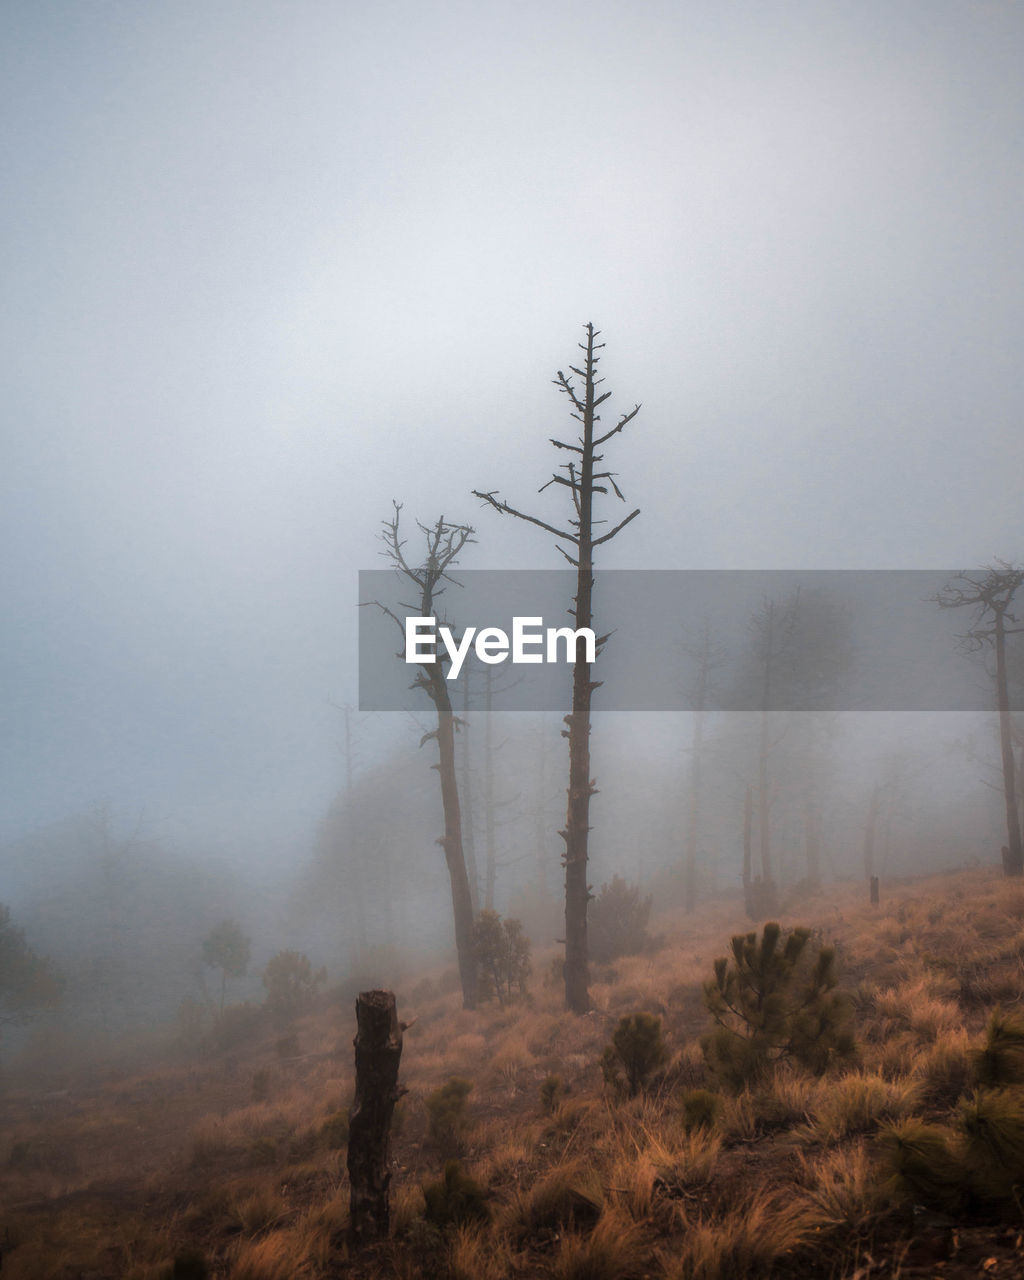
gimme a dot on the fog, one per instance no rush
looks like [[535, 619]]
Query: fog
[[269, 267]]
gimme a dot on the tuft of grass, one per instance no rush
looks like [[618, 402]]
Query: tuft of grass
[[334, 1131], [700, 1108], [858, 1104], [992, 1122], [944, 1072], [920, 1165], [747, 1241], [256, 1210], [614, 1250], [278, 1257], [1000, 1061], [455, 1199], [570, 1195], [842, 1185], [476, 1254]]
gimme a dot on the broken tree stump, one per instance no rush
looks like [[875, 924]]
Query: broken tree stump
[[874, 891], [378, 1045]]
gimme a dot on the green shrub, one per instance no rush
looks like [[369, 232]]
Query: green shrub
[[992, 1122], [550, 1092], [637, 1048], [617, 922], [455, 1199], [701, 1109], [446, 1111], [1001, 1060], [922, 1165], [503, 953], [775, 1000]]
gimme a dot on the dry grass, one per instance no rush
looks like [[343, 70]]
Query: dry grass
[[748, 1240], [596, 1190]]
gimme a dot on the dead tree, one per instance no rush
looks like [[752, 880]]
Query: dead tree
[[707, 656], [990, 594], [583, 481], [378, 1046], [444, 542]]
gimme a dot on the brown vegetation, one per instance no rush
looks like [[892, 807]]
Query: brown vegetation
[[909, 1154]]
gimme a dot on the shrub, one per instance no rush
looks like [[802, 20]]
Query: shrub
[[775, 1000], [446, 1111], [922, 1165], [1001, 1060], [503, 952], [700, 1108], [291, 983], [993, 1127], [636, 1047], [617, 922], [550, 1092], [455, 1199], [569, 1195]]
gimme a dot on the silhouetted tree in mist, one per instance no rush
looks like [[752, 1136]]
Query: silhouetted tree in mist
[[28, 982], [443, 542], [226, 948], [990, 592], [583, 481]]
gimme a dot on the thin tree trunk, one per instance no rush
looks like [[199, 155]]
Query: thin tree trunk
[[748, 823], [451, 843], [869, 833], [1015, 859], [378, 1054], [467, 794], [491, 865]]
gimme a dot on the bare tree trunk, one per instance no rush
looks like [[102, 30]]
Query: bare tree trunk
[[467, 793], [869, 832], [748, 824], [692, 818], [444, 542], [812, 832], [378, 1046], [491, 865], [1015, 858], [451, 843], [764, 829]]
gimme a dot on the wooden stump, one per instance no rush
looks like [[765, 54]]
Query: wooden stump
[[874, 891], [378, 1046]]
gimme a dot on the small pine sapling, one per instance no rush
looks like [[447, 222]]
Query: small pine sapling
[[637, 1049], [446, 1109], [1001, 1059], [455, 1199], [775, 1000]]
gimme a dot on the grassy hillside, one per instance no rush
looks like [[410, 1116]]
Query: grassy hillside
[[226, 1157]]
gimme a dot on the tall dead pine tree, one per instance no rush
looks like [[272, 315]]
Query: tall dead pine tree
[[583, 481]]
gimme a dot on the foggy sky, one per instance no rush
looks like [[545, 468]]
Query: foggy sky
[[268, 266]]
